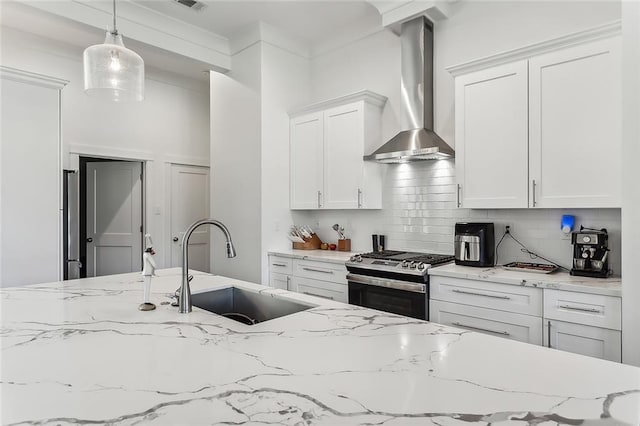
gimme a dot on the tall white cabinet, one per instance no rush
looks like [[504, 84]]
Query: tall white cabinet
[[544, 130], [327, 143], [30, 218]]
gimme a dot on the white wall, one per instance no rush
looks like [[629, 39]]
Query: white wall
[[171, 124], [236, 165], [285, 85], [418, 210], [631, 177]]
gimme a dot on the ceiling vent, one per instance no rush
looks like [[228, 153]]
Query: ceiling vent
[[191, 4]]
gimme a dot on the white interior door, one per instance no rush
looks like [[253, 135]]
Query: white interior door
[[190, 202], [114, 217]]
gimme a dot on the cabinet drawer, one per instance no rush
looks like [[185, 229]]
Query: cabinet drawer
[[523, 328], [324, 289], [583, 308], [583, 339], [281, 265], [504, 297], [279, 280], [334, 272]]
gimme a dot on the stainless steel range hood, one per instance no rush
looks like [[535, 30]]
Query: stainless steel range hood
[[419, 141]]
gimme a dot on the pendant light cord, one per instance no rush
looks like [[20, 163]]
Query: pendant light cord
[[115, 30]]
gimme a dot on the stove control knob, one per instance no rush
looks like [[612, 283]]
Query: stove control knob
[[412, 264], [358, 258], [405, 263], [421, 266]]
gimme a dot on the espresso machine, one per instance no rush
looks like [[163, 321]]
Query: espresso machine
[[590, 253]]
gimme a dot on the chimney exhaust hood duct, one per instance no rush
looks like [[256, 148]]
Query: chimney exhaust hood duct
[[419, 141]]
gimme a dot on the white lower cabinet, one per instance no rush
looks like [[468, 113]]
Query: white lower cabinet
[[277, 280], [313, 277], [523, 328], [582, 323], [583, 339]]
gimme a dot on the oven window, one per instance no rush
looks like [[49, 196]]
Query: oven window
[[388, 300]]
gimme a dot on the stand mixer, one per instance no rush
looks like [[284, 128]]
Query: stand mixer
[[590, 253]]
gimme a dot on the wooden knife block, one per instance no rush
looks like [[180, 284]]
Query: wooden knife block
[[312, 244]]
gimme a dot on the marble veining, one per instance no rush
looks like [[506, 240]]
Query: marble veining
[[80, 352]]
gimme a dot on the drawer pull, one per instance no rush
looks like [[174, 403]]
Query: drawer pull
[[575, 308], [455, 290], [458, 324], [317, 270], [279, 264], [317, 295]]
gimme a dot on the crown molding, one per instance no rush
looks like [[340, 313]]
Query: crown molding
[[607, 30], [263, 32], [145, 25], [367, 96], [36, 79], [394, 13]]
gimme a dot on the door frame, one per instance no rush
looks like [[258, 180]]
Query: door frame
[[74, 152], [166, 223]]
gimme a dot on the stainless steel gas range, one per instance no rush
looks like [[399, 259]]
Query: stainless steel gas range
[[393, 281]]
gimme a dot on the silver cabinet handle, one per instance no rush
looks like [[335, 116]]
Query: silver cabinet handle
[[458, 196], [359, 198], [317, 270], [455, 290], [278, 264], [533, 184], [575, 308], [549, 333], [317, 295], [288, 283], [319, 199], [458, 324]]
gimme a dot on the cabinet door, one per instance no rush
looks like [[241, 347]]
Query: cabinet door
[[583, 339], [306, 145], [575, 126], [491, 137], [523, 328], [343, 151], [279, 281]]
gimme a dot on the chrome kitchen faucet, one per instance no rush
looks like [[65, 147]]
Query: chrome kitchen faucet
[[185, 290]]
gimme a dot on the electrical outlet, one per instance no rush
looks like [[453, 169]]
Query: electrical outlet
[[565, 237]]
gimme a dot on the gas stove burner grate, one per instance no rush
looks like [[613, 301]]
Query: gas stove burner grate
[[394, 255], [384, 254]]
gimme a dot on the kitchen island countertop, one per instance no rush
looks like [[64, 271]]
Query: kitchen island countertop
[[558, 280], [81, 352]]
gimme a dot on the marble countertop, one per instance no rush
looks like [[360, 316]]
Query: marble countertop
[[80, 352], [557, 280], [332, 256]]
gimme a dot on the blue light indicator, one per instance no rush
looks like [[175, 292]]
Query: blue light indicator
[[567, 223]]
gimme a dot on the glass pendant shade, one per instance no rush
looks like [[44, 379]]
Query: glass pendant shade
[[112, 71]]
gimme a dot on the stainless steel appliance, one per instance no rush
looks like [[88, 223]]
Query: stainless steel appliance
[[590, 253], [474, 244], [392, 281]]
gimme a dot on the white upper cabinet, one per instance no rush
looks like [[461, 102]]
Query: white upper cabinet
[[544, 130], [575, 126], [306, 152], [491, 137], [328, 141]]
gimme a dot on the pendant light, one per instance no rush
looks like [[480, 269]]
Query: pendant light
[[112, 71]]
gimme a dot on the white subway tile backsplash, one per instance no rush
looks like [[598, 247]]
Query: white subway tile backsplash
[[420, 211]]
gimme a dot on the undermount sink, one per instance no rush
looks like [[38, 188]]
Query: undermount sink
[[245, 306]]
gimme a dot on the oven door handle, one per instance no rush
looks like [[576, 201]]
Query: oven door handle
[[388, 283]]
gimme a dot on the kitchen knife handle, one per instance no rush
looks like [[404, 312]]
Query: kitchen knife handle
[[533, 191], [458, 196]]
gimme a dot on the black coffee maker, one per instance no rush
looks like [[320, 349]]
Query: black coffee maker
[[590, 253]]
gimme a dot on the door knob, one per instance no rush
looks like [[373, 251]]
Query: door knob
[[175, 239], [89, 240]]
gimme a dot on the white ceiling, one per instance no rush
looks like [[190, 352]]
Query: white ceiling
[[311, 20]]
